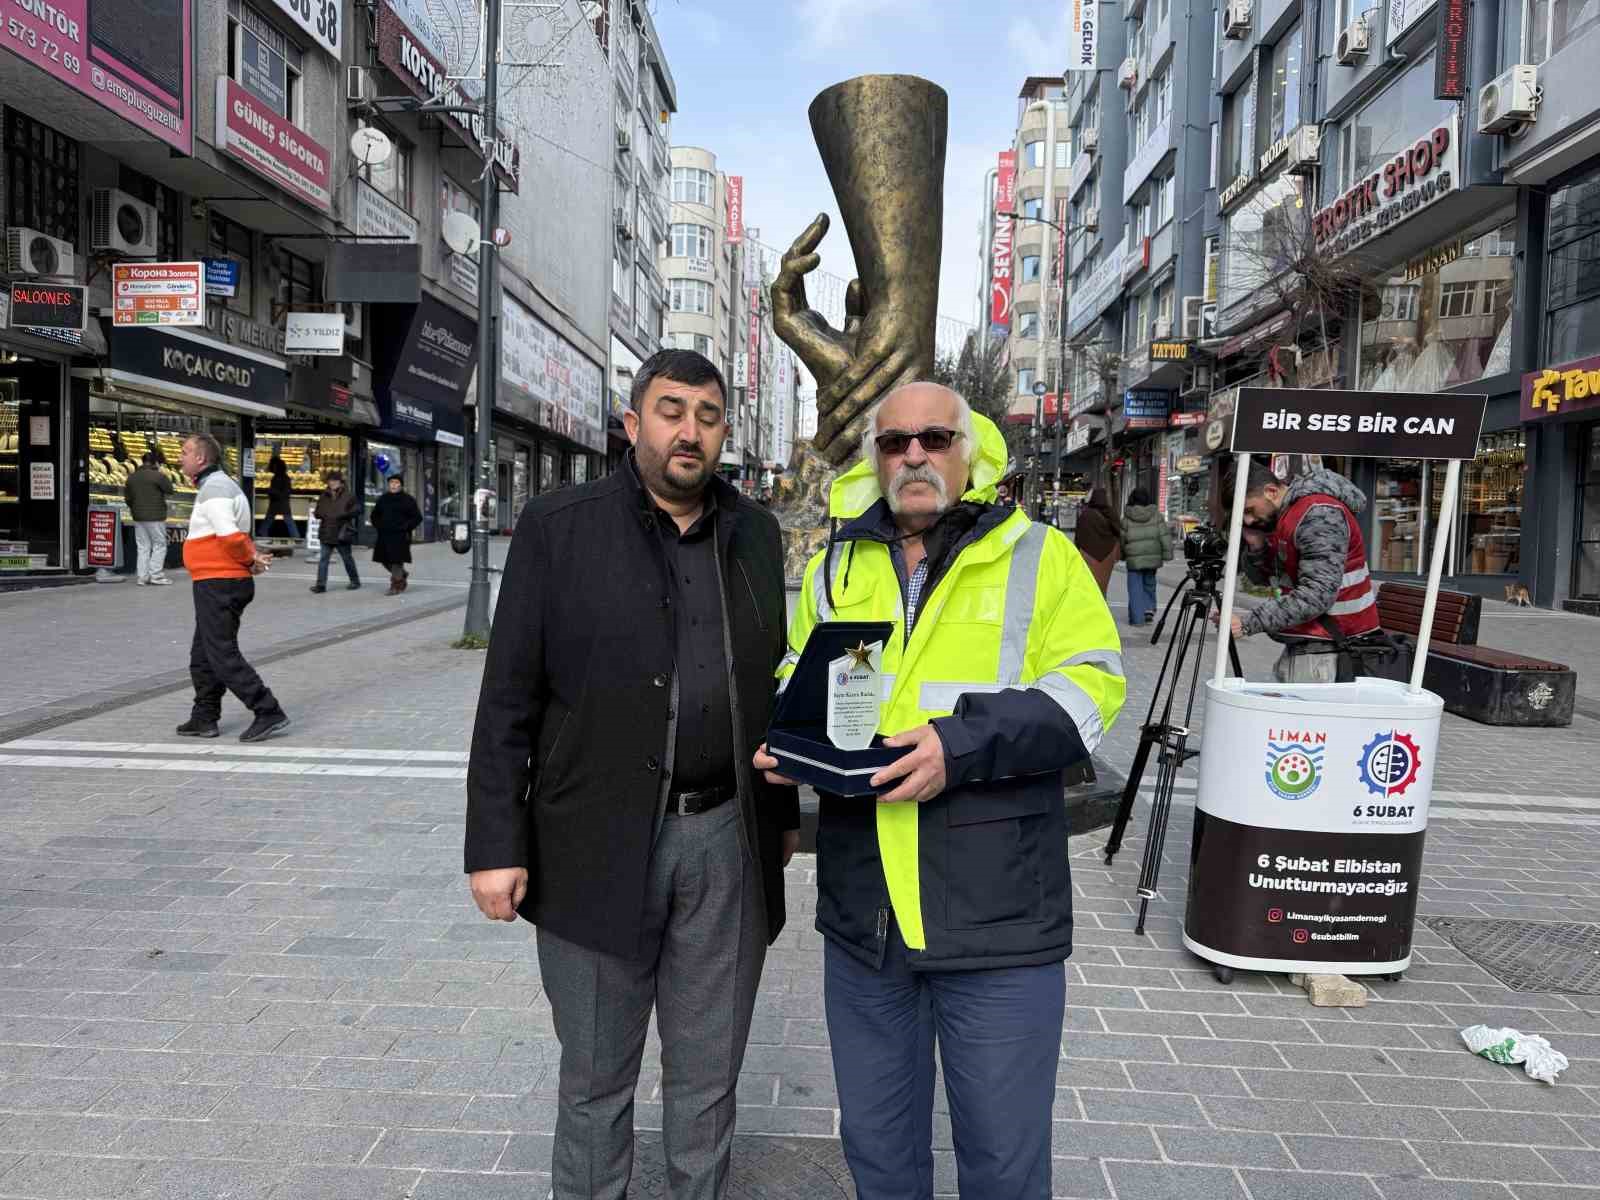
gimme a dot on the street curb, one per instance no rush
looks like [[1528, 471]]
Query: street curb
[[31, 721]]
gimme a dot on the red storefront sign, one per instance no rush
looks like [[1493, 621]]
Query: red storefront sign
[[251, 133], [1372, 197], [1005, 196], [735, 209], [1450, 53], [101, 548]]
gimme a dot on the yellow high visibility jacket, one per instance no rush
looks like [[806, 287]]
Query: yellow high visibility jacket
[[1014, 657]]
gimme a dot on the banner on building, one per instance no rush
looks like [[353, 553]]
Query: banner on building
[[252, 134], [735, 209], [1146, 408], [754, 347], [1005, 195], [1084, 36], [1452, 49], [158, 293]]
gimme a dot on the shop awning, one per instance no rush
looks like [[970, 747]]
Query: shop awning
[[178, 365]]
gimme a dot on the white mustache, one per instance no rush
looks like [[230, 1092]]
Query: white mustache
[[922, 473]]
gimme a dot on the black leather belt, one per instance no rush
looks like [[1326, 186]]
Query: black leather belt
[[704, 800]]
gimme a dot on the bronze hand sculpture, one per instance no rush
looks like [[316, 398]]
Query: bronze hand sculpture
[[882, 139]]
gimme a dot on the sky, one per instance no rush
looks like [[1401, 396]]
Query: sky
[[747, 70]]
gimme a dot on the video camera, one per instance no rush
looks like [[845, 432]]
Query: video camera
[[1206, 552]]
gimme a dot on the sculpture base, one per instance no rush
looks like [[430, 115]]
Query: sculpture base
[[800, 502]]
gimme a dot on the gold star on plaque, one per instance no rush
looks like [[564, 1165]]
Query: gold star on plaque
[[860, 655]]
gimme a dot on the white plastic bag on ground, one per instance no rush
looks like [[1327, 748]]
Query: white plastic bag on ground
[[1538, 1058]]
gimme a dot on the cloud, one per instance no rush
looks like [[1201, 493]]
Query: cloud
[[830, 24], [1039, 49]]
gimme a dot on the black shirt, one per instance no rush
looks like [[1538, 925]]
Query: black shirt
[[703, 753]]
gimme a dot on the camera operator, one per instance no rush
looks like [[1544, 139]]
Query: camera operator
[[1304, 538]]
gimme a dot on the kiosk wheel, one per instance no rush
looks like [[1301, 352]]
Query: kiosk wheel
[[1224, 974]]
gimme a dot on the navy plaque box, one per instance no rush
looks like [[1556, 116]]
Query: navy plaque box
[[798, 736]]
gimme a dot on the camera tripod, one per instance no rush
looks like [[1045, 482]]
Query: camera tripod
[[1197, 596]]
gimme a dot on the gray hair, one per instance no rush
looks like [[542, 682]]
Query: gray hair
[[969, 434], [209, 446]]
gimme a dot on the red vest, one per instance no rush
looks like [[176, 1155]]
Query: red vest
[[1355, 608]]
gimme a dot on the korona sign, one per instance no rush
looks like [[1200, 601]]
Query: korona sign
[[1360, 424]]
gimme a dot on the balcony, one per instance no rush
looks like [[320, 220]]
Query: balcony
[[1148, 156]]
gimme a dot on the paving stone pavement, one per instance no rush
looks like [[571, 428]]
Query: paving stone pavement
[[255, 972]]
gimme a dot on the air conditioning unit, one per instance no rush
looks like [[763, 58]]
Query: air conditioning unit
[[1163, 329], [358, 87], [1199, 317], [1510, 100], [623, 224], [1089, 140], [1237, 24], [353, 315], [122, 224], [624, 139], [29, 252], [1354, 40], [1198, 379], [1091, 220], [1304, 150], [1128, 73]]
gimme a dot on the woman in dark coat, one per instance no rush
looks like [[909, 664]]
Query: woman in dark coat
[[279, 491], [394, 516], [1099, 536]]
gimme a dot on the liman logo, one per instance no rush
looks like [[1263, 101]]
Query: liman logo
[[1294, 762]]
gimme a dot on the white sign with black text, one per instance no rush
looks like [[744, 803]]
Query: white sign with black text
[[314, 333]]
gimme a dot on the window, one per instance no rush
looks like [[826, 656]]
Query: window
[[1573, 323], [690, 185], [1548, 25], [690, 296], [1389, 124], [1033, 209], [1166, 192], [1164, 95], [1030, 268], [1025, 381], [1457, 299], [1033, 154], [1135, 325], [1028, 325], [1350, 10], [1163, 10], [392, 177], [228, 239], [691, 241], [1163, 308], [1138, 40], [1284, 84], [1238, 132], [619, 275], [1063, 154], [297, 281], [702, 345], [263, 61], [1262, 237]]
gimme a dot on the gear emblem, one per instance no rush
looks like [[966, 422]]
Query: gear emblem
[[1389, 763]]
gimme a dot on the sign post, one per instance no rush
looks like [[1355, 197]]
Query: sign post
[[1313, 801]]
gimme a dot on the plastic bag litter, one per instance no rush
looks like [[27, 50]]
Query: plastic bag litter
[[1538, 1058]]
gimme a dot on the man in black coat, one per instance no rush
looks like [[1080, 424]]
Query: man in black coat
[[610, 797]]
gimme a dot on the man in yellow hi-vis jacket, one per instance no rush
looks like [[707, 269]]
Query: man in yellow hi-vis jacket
[[946, 904]]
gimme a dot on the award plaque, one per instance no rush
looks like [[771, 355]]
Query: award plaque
[[824, 728]]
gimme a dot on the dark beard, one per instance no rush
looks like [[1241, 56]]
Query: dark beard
[[653, 471]]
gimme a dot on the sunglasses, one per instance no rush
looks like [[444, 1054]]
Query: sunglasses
[[933, 440]]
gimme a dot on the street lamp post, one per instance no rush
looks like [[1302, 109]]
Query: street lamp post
[[1068, 232]]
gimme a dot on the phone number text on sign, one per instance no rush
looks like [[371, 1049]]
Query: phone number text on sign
[[50, 48]]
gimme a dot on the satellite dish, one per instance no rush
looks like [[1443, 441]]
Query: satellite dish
[[461, 233], [591, 9], [370, 146]]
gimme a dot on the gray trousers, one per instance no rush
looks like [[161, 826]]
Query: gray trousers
[[703, 946]]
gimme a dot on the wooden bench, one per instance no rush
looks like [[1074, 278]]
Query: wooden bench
[[1494, 687]]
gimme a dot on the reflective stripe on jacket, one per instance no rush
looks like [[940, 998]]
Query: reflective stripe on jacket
[[1015, 659]]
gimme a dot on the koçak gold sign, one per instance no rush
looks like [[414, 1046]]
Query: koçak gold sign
[[1171, 351]]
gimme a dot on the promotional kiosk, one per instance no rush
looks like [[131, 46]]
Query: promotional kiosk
[[1313, 798]]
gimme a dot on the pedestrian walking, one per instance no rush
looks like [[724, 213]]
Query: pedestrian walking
[[279, 492], [1099, 537], [945, 904], [336, 514], [394, 516], [610, 796], [1146, 544], [222, 561], [146, 492]]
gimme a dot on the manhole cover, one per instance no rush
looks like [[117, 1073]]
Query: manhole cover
[[764, 1168], [1531, 956]]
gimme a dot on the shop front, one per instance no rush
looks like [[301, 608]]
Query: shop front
[[1561, 408], [550, 413], [160, 387], [425, 359]]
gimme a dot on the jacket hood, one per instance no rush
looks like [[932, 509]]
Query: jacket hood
[[1140, 513], [1325, 482], [857, 489]]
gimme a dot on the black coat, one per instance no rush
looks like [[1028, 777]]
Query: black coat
[[394, 516], [574, 718]]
